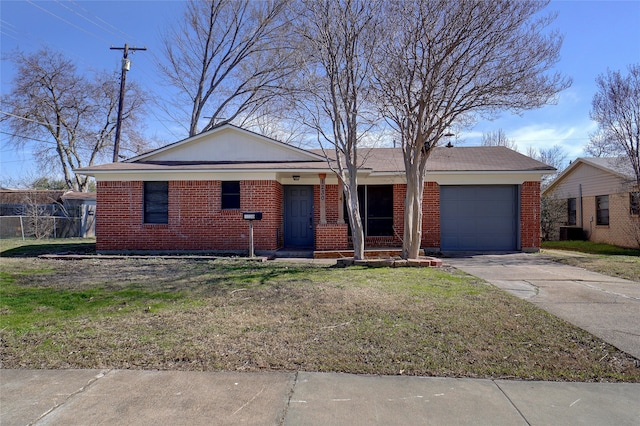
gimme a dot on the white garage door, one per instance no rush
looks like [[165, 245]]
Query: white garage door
[[479, 218]]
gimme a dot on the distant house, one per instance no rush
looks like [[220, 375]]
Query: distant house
[[601, 201], [191, 195]]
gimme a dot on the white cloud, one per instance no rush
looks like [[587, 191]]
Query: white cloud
[[572, 137]]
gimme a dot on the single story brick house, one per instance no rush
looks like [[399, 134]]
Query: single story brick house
[[600, 200], [190, 195]]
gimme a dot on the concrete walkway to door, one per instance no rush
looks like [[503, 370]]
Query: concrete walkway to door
[[607, 307]]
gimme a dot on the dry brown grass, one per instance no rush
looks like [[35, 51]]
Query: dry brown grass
[[224, 315]]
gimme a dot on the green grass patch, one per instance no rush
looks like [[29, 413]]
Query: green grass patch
[[227, 315], [597, 257], [23, 307], [590, 247]]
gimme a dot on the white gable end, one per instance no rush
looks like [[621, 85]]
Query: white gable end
[[229, 144], [588, 181]]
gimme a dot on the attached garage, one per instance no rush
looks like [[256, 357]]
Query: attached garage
[[479, 217]]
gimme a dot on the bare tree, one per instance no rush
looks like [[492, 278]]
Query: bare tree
[[553, 211], [498, 138], [39, 219], [226, 58], [68, 118], [444, 60], [555, 157], [616, 109], [601, 146], [337, 40]]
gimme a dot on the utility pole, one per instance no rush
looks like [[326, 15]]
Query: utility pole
[[126, 64]]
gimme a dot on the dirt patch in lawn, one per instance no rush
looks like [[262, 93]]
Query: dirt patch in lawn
[[231, 315]]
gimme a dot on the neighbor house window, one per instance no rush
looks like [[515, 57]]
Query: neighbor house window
[[634, 203], [231, 195], [602, 210], [571, 211], [156, 202], [376, 210]]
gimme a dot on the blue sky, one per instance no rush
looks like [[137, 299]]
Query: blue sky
[[598, 35]]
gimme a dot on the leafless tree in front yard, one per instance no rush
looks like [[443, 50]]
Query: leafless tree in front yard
[[226, 58], [441, 61], [337, 39]]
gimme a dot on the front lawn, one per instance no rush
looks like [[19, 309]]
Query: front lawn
[[591, 248], [597, 257], [184, 314]]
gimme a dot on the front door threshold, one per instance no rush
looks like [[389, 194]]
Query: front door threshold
[[294, 252]]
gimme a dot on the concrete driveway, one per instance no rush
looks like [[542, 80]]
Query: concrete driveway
[[607, 307]]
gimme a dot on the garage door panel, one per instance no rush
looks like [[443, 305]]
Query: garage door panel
[[478, 217]]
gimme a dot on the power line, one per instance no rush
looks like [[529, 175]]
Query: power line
[[31, 139], [66, 22], [25, 118], [88, 12]]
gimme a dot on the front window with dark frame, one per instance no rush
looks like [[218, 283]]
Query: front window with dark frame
[[634, 203], [230, 199], [571, 211], [602, 210], [156, 202], [376, 210]]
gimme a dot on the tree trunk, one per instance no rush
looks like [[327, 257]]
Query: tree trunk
[[412, 236], [353, 211]]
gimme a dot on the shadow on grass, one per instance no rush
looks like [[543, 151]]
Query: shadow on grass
[[35, 250]]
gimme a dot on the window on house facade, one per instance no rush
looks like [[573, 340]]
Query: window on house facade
[[156, 202], [602, 210], [634, 203], [571, 211], [376, 210], [230, 195]]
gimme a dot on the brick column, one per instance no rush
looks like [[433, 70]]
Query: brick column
[[323, 199], [530, 216], [340, 202]]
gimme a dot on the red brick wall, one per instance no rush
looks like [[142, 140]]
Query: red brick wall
[[530, 216], [331, 203], [431, 215], [196, 221], [331, 236]]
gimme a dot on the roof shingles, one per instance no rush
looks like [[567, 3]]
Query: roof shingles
[[380, 160]]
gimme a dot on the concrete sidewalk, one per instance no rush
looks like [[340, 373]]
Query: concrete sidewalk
[[607, 307], [131, 397]]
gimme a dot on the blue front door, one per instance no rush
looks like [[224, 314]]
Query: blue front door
[[298, 216]]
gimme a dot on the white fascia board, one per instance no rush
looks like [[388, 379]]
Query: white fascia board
[[474, 177], [486, 178], [228, 174]]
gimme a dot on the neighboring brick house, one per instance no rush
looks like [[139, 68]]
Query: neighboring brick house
[[190, 196], [599, 198]]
